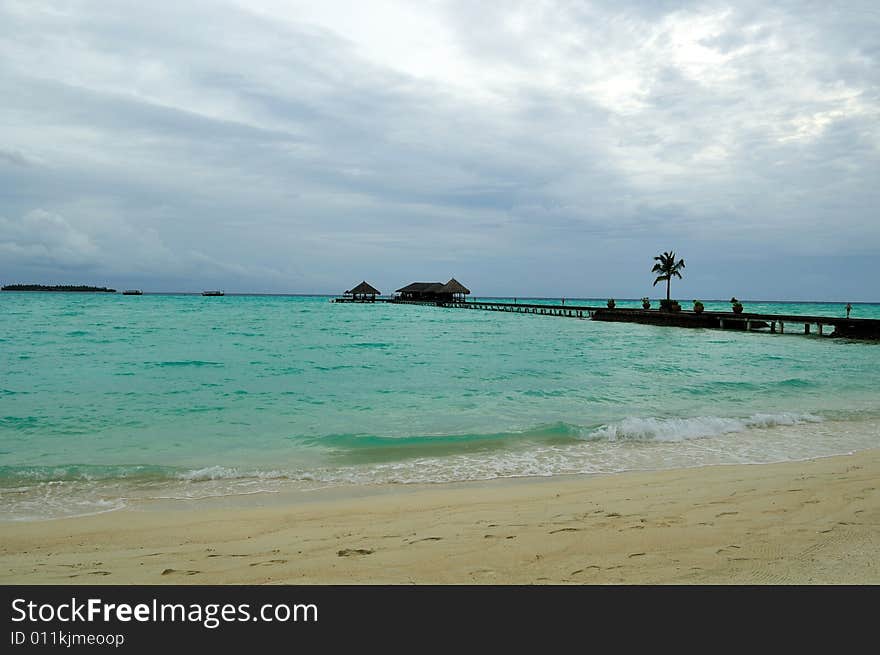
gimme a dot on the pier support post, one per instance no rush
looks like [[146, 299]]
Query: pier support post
[[781, 327], [748, 326], [806, 328], [721, 323], [820, 329], [773, 327]]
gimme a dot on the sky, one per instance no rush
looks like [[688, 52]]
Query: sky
[[528, 148]]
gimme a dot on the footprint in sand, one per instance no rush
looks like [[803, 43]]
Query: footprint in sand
[[586, 568], [269, 562], [179, 572], [230, 555], [350, 552]]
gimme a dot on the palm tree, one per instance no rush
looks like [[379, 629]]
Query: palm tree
[[668, 268]]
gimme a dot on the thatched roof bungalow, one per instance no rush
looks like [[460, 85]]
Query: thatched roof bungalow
[[455, 289], [434, 291], [363, 292], [419, 291]]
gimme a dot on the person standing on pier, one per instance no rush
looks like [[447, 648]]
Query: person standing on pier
[[848, 309]]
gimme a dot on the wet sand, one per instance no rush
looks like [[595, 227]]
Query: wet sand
[[806, 522]]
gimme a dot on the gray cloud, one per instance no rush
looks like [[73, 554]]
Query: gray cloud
[[547, 149]]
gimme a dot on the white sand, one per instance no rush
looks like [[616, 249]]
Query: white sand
[[806, 522]]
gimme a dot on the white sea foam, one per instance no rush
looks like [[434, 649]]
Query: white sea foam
[[209, 473], [227, 473], [631, 444], [55, 501], [681, 429]]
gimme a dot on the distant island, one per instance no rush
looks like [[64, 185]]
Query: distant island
[[81, 288]]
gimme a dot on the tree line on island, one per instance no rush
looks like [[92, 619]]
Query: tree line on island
[[56, 287]]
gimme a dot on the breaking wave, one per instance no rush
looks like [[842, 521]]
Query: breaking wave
[[680, 429]]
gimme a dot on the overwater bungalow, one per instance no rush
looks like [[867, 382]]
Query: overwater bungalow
[[454, 290], [434, 291], [363, 293]]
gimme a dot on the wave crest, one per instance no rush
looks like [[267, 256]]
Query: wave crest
[[698, 427], [227, 473]]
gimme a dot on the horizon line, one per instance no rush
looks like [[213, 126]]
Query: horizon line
[[492, 297]]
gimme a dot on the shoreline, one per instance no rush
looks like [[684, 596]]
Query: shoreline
[[249, 486], [811, 521]]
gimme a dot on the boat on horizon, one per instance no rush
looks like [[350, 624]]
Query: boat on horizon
[[213, 293], [132, 292]]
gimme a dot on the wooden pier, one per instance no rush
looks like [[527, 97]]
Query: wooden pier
[[857, 328]]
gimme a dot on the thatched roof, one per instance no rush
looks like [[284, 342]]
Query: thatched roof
[[365, 289], [421, 287], [454, 286]]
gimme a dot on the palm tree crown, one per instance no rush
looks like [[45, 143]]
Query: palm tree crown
[[668, 268]]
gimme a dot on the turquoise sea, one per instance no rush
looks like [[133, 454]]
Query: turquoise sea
[[109, 400]]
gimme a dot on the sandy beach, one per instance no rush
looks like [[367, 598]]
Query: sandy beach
[[807, 522]]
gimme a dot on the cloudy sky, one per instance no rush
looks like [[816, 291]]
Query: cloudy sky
[[527, 148]]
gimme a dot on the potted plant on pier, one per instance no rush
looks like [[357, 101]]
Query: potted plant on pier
[[737, 305], [698, 307], [646, 303], [611, 303], [669, 305]]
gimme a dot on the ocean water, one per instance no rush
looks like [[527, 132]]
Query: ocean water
[[107, 400]]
